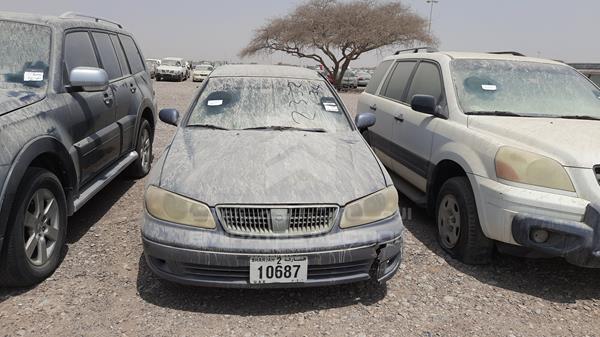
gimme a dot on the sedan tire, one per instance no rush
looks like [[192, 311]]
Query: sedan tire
[[459, 230], [37, 232]]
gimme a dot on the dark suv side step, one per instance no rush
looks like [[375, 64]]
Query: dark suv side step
[[411, 192], [103, 179]]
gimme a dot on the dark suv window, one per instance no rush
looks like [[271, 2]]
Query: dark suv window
[[378, 77], [120, 55], [79, 51], [133, 54], [427, 81], [107, 54], [399, 80]]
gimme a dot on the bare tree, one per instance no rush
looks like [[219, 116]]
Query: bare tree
[[336, 33]]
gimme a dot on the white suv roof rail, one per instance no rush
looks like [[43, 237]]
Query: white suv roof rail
[[416, 50], [74, 15]]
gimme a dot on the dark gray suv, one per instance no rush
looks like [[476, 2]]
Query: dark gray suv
[[77, 108]]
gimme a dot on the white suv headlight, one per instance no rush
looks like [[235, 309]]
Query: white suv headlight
[[374, 207], [171, 207], [532, 169]]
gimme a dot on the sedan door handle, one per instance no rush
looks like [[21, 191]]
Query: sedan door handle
[[399, 117], [373, 107]]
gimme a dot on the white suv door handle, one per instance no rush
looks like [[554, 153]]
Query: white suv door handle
[[399, 117], [373, 107]]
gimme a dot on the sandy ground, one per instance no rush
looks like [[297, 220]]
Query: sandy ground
[[104, 288]]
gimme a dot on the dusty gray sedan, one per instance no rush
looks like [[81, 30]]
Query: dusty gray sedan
[[269, 183]]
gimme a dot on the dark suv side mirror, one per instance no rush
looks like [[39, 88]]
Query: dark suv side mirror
[[169, 116], [365, 120], [88, 79]]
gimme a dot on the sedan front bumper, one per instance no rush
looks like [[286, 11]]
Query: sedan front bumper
[[214, 258]]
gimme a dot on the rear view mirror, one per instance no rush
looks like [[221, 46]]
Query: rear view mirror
[[88, 79], [365, 120], [169, 116]]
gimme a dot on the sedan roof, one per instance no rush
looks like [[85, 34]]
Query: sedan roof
[[254, 70]]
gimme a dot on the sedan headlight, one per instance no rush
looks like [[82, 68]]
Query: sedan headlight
[[531, 169], [171, 207], [374, 207]]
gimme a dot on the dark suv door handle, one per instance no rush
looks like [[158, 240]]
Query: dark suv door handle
[[107, 99], [373, 107], [399, 117]]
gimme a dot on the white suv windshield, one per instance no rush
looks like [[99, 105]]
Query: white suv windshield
[[25, 50], [170, 63], [260, 102], [524, 88]]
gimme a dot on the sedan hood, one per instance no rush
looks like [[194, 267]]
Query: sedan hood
[[573, 143], [270, 167]]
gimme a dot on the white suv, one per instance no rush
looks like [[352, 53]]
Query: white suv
[[501, 147]]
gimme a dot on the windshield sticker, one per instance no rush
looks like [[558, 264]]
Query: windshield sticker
[[33, 76], [215, 102], [331, 107], [489, 87]]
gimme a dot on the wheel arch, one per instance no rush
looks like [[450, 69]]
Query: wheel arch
[[45, 152]]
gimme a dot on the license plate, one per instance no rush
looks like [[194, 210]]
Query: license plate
[[278, 269]]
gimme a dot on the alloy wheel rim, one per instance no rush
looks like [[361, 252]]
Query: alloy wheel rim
[[449, 221], [42, 224], [146, 145]]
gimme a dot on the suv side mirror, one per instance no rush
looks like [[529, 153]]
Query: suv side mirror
[[169, 116], [88, 79], [365, 120], [424, 103]]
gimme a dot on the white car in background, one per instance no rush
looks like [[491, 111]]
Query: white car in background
[[171, 68], [201, 72], [502, 148]]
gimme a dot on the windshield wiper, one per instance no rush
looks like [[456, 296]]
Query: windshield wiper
[[208, 126], [591, 118], [494, 113], [285, 128]]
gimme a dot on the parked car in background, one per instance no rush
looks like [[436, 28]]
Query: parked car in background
[[310, 206], [77, 108], [363, 79], [201, 72], [350, 80], [151, 67], [591, 70], [501, 148], [171, 68]]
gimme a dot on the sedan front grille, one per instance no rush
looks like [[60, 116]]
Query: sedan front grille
[[277, 220], [597, 171]]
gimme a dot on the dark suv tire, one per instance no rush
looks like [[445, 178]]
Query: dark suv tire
[[141, 166], [459, 231], [37, 230]]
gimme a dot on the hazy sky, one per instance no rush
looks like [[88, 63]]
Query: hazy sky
[[199, 30]]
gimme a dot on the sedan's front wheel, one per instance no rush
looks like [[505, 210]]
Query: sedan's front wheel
[[38, 227], [459, 231]]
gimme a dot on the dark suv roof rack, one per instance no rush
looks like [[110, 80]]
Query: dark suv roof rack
[[416, 50], [75, 15], [513, 53]]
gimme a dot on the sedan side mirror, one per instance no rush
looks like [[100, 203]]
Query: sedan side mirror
[[169, 116], [89, 79], [365, 120]]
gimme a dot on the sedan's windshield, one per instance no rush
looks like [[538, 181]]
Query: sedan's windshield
[[25, 50], [272, 103], [208, 68], [524, 89], [170, 63]]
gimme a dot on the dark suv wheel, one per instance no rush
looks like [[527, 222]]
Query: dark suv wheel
[[38, 227], [141, 167], [459, 231]]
